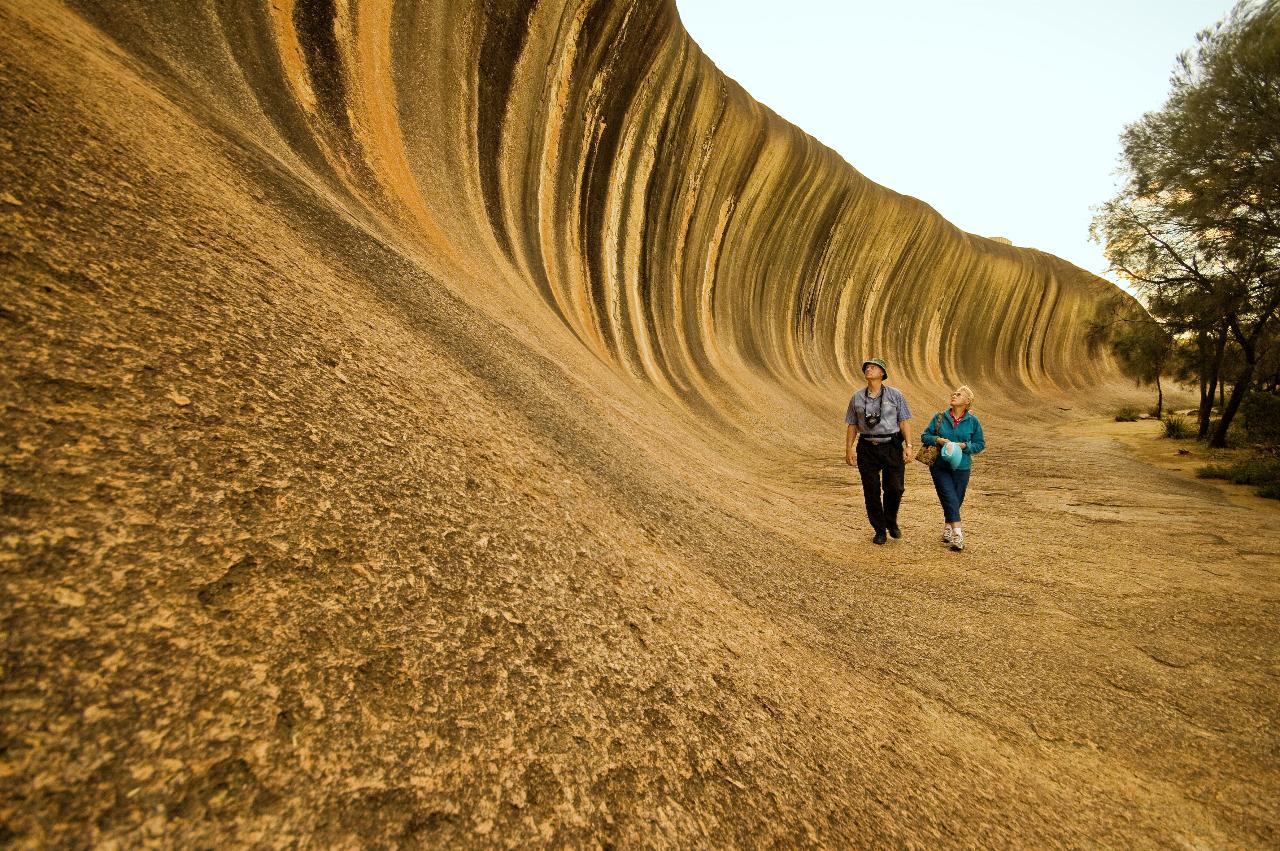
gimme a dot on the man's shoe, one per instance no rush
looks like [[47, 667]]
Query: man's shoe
[[957, 543], [895, 532], [879, 538], [946, 534]]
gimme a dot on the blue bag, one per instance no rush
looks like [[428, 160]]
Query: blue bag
[[953, 454]]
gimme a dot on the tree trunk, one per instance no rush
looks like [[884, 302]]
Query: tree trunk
[[1159, 399], [1201, 418], [1244, 382], [1206, 399], [1238, 390], [1206, 405]]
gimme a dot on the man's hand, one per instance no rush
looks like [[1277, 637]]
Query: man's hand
[[848, 458], [906, 453]]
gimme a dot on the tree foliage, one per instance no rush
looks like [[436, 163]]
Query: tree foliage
[[1196, 224], [1144, 349]]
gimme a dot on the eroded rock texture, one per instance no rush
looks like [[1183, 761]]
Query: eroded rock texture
[[421, 428], [591, 153]]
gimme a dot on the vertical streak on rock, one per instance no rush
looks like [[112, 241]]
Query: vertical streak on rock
[[506, 25], [317, 25], [816, 299], [626, 51], [271, 64], [683, 340], [633, 232], [708, 332], [1037, 354], [567, 280], [737, 169], [587, 149], [313, 22], [375, 115]]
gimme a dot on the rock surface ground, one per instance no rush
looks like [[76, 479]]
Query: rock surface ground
[[301, 547]]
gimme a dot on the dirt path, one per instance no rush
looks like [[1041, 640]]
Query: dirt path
[[1111, 626], [1145, 439]]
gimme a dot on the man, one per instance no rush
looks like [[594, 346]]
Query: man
[[878, 415]]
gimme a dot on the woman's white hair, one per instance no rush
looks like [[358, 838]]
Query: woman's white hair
[[966, 391]]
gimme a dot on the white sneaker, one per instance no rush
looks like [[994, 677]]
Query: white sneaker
[[957, 543], [946, 534]]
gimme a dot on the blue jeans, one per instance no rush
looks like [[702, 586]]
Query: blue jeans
[[950, 485]]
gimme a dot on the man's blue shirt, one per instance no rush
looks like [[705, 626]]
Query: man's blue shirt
[[890, 404]]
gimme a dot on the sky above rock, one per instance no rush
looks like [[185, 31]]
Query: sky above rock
[[1003, 115]]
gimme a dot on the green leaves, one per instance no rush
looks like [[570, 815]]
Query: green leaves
[[1196, 225], [1200, 209]]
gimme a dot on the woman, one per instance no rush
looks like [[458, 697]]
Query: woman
[[962, 428]]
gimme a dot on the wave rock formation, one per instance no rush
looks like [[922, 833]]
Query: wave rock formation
[[590, 152], [421, 429]]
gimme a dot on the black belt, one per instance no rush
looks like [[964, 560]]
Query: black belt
[[879, 439]]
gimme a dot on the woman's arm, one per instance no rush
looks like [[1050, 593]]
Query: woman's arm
[[977, 442], [930, 435]]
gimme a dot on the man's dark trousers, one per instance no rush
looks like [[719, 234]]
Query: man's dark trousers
[[877, 461]]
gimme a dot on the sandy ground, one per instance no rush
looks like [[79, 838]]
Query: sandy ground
[[1145, 438]]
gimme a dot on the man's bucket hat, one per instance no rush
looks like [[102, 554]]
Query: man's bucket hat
[[878, 362]]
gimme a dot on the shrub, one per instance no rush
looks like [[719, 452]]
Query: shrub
[[1262, 471], [1256, 471], [1128, 414], [1154, 411], [1177, 427], [1270, 491], [1235, 434], [1261, 414]]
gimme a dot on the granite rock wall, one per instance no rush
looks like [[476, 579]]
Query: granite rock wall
[[590, 152]]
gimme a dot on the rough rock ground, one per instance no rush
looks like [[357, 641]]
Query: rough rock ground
[[300, 547]]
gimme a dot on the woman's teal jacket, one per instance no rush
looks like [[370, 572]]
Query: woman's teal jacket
[[968, 431]]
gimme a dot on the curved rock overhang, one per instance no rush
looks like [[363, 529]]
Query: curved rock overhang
[[591, 154]]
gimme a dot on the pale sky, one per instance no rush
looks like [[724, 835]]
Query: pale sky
[[1003, 115]]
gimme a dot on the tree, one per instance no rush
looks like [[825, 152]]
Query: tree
[[1196, 224], [1141, 345], [1200, 355]]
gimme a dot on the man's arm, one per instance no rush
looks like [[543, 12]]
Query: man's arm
[[904, 417], [848, 444]]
